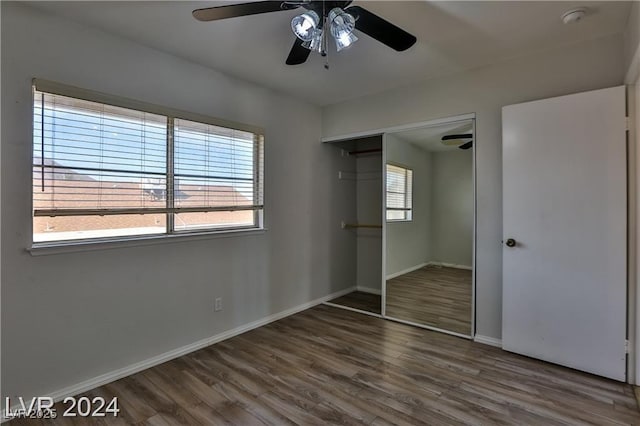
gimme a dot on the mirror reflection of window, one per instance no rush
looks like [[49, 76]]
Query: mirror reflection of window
[[399, 193]]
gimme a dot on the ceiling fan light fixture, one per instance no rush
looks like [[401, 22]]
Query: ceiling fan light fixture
[[345, 40], [341, 22], [316, 43], [342, 25], [305, 24]]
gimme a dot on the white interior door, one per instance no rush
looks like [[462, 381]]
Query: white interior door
[[565, 204]]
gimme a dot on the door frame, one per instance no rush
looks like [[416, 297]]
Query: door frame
[[412, 126]]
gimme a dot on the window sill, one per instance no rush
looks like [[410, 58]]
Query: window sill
[[42, 249]]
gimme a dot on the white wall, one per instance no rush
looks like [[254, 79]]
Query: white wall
[[589, 65], [407, 243], [452, 207], [69, 317], [369, 207], [632, 44]]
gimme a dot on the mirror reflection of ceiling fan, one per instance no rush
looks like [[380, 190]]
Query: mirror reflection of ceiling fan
[[319, 20], [461, 140]]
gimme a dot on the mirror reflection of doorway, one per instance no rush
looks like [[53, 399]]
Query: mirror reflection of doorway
[[429, 232]]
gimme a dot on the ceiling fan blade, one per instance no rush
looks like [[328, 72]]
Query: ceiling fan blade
[[235, 10], [462, 136], [383, 31], [466, 145], [298, 54]]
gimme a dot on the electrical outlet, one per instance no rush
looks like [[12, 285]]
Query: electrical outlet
[[218, 304]]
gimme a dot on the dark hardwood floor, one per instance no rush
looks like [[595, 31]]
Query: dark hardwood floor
[[331, 366], [367, 302], [433, 295]]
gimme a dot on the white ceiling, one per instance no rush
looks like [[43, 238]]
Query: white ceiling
[[430, 138], [452, 37]]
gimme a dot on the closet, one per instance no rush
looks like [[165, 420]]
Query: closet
[[409, 223], [360, 177]]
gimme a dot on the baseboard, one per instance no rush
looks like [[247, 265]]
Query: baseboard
[[450, 265], [369, 290], [406, 271], [491, 341], [112, 376]]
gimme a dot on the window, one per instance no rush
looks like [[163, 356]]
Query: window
[[104, 171], [399, 193]]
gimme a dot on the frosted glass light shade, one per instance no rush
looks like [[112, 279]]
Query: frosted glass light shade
[[345, 40], [341, 22], [342, 25], [316, 44], [304, 25]]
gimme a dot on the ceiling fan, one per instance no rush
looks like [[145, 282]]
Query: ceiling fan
[[319, 19], [458, 140]]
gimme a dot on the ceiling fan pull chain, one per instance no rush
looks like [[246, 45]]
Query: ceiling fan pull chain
[[324, 31], [325, 52]]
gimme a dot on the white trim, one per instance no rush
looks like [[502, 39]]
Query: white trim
[[42, 249], [393, 129], [475, 227], [450, 265], [114, 375], [406, 271], [632, 239], [369, 290], [349, 308], [428, 327], [334, 295], [383, 214], [486, 340]]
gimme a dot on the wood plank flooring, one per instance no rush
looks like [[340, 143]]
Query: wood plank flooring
[[360, 300], [331, 366], [433, 295]]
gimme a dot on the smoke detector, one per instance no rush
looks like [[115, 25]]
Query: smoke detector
[[574, 15]]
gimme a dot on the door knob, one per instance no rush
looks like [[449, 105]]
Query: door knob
[[510, 242]]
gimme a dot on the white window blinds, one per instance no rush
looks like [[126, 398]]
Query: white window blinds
[[105, 171], [92, 158], [399, 193], [216, 169]]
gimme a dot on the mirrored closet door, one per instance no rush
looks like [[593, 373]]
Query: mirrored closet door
[[429, 214]]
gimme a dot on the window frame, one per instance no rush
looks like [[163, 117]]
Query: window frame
[[171, 115], [407, 194]]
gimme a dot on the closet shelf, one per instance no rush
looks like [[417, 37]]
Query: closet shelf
[[360, 225], [365, 151]]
